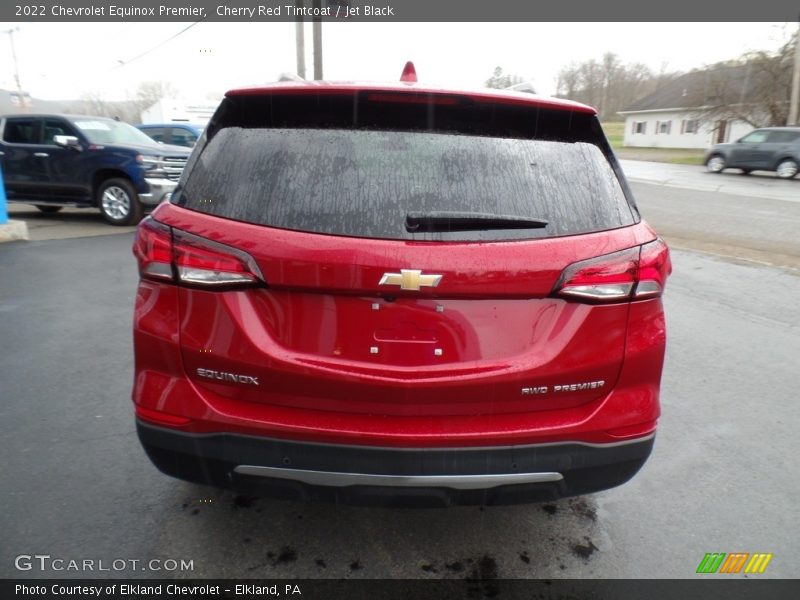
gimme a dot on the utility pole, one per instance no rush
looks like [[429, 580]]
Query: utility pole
[[317, 36], [11, 33], [300, 41], [795, 99]]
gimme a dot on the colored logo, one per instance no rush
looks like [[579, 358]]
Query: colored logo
[[719, 562], [410, 279]]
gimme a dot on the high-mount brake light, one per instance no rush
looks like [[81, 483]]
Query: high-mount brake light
[[166, 254], [406, 98], [409, 73], [636, 273]]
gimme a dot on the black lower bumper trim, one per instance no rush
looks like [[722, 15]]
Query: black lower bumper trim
[[213, 459]]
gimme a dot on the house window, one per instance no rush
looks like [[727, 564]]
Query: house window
[[640, 127], [663, 126], [690, 126]]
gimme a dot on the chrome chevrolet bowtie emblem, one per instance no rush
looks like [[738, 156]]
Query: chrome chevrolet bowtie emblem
[[410, 279]]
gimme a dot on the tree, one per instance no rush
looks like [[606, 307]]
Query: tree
[[568, 83], [610, 67], [92, 103], [501, 81], [608, 84], [150, 92], [754, 89]]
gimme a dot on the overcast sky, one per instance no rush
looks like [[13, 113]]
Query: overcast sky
[[65, 60]]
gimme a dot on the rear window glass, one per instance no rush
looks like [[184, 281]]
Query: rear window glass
[[783, 137], [20, 131], [107, 131], [363, 182]]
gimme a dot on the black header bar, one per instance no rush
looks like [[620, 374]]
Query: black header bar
[[263, 11]]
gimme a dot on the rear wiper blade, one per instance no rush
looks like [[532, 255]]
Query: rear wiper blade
[[417, 222]]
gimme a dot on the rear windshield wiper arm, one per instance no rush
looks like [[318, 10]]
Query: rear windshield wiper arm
[[417, 222]]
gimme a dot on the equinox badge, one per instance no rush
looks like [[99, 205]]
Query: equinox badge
[[225, 376], [410, 279]]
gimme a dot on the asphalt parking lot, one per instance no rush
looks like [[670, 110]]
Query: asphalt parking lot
[[77, 485], [67, 223]]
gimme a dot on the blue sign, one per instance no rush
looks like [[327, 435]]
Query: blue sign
[[3, 211]]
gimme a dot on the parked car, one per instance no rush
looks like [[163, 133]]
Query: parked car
[[177, 134], [400, 293], [57, 160], [769, 149]]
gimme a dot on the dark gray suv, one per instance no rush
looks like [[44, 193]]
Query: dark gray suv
[[769, 149]]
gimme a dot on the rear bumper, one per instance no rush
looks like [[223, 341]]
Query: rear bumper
[[381, 476]]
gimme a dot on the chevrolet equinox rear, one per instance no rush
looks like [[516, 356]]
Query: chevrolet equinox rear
[[396, 293]]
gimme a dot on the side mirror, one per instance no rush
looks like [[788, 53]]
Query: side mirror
[[67, 141]]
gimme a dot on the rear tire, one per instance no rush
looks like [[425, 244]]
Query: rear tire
[[746, 171], [715, 163], [118, 202], [787, 168], [48, 209]]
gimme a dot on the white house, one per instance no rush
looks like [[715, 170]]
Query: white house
[[673, 116]]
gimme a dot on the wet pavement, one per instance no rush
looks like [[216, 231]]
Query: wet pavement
[[77, 485]]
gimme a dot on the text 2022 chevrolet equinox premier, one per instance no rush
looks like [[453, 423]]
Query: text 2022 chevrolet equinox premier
[[399, 293]]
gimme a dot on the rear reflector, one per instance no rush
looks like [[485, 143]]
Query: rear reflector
[[162, 418], [167, 254], [636, 273]]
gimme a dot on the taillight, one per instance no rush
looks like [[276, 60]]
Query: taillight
[[199, 261], [153, 250], [633, 274], [167, 254], [654, 268]]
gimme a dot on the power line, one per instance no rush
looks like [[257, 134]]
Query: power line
[[123, 63]]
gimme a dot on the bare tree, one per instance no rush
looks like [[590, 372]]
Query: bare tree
[[92, 103], [632, 82], [610, 66], [754, 89], [568, 82], [150, 92], [592, 79], [501, 81], [607, 84]]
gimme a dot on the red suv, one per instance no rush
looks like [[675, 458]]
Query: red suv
[[399, 293]]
